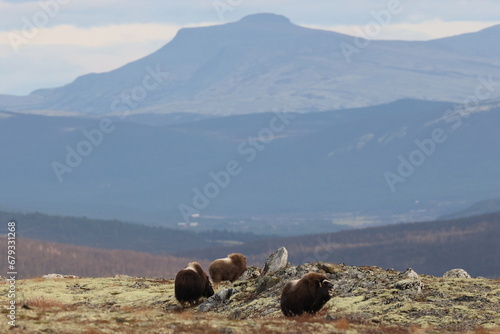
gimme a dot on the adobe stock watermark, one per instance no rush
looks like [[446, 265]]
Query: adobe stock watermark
[[219, 180], [40, 19], [127, 101], [11, 272], [223, 6], [453, 117], [371, 30]]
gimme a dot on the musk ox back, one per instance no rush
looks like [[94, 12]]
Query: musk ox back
[[308, 294], [228, 269], [192, 283]]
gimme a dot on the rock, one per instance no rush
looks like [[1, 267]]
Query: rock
[[456, 273], [276, 261], [291, 271], [53, 276], [235, 315], [123, 276], [409, 273], [409, 284], [266, 283], [326, 267], [217, 299], [271, 310], [250, 273], [139, 285]]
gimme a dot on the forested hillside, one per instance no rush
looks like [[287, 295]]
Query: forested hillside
[[114, 234], [36, 258], [470, 243]]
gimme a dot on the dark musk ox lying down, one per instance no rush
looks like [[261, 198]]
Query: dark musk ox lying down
[[192, 283], [228, 269], [309, 294]]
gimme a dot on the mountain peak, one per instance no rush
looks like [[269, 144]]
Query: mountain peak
[[265, 18]]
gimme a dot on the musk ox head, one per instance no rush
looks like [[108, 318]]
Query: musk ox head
[[309, 295], [192, 283], [228, 269]]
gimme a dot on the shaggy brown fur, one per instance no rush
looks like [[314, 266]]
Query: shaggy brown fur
[[308, 294], [192, 283], [228, 269]]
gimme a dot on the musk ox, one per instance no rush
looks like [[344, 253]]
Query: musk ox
[[228, 269], [192, 283], [308, 294]]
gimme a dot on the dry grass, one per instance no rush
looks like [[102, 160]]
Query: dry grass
[[44, 304], [342, 324]]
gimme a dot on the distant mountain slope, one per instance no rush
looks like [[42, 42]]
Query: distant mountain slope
[[479, 208], [429, 248], [113, 234], [322, 163], [36, 258], [264, 62]]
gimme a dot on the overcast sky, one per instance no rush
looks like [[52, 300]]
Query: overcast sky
[[75, 37]]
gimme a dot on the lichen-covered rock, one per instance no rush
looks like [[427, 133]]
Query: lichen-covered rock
[[266, 282], [140, 285], [55, 276], [456, 273], [276, 261], [409, 273], [219, 298], [250, 273], [409, 284]]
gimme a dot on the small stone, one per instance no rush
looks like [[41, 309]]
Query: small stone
[[235, 315], [122, 276], [55, 276], [140, 285], [456, 273], [276, 261], [326, 267], [267, 312], [290, 271]]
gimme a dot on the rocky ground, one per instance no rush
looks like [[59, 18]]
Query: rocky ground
[[366, 300]]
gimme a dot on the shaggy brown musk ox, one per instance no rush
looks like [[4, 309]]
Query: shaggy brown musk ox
[[228, 269], [309, 294], [192, 283]]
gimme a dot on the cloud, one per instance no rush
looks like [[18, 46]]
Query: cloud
[[57, 55], [98, 36], [426, 30]]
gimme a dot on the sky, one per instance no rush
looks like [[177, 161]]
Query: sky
[[50, 43]]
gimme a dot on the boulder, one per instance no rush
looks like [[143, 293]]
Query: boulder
[[410, 284], [456, 273], [409, 273], [276, 261], [250, 273], [219, 298]]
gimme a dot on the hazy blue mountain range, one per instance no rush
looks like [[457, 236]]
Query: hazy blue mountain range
[[408, 156], [479, 208], [264, 62]]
